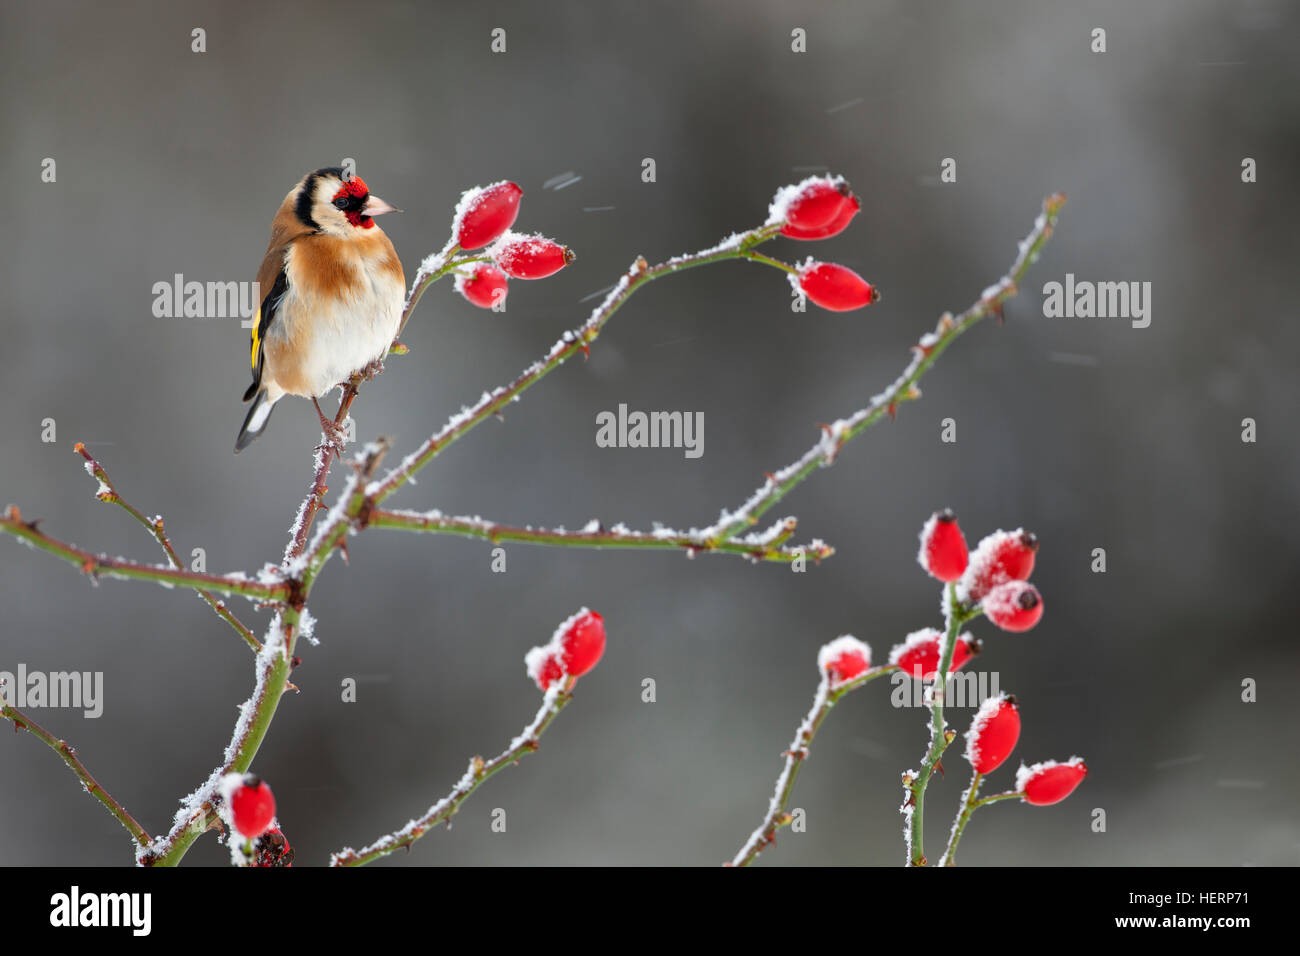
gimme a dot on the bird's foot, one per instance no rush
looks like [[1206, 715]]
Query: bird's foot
[[335, 436]]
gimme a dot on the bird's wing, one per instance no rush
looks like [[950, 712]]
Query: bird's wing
[[273, 276], [286, 228]]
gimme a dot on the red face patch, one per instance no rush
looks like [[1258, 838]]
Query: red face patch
[[351, 199]]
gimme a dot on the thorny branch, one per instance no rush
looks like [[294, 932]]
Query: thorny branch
[[777, 817], [479, 771], [288, 587]]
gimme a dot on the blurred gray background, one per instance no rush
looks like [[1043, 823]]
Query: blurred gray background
[[1090, 432]]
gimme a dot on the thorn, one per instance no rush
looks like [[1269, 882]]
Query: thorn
[[893, 410], [13, 514], [771, 477], [586, 350], [939, 767]]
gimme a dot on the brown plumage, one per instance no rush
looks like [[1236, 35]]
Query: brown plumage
[[333, 292]]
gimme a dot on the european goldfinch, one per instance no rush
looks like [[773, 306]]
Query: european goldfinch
[[334, 290]]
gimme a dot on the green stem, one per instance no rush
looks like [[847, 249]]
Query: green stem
[[771, 548], [969, 803], [777, 817], [479, 772], [938, 737], [69, 756], [98, 565], [155, 528]]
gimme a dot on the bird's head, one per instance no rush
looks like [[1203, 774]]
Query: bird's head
[[336, 205]]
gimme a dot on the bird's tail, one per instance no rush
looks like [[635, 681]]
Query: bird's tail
[[255, 422]]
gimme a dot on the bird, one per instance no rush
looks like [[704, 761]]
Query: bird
[[333, 291]]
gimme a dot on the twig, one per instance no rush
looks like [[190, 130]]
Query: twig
[[770, 545], [69, 755], [969, 804], [913, 809], [479, 771], [926, 353], [108, 493], [777, 817], [97, 565]]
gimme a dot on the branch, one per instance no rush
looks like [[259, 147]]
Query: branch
[[769, 545], [777, 817], [69, 754], [736, 246], [479, 771], [272, 667], [969, 804], [108, 493], [270, 588], [274, 663], [926, 353], [913, 809]]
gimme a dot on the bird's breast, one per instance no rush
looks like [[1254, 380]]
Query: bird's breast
[[341, 311]]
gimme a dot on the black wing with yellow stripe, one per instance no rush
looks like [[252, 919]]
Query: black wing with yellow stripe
[[266, 314]]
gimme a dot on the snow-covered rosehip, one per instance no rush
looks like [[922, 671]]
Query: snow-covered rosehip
[[483, 285], [482, 215], [817, 203], [573, 649], [252, 806], [844, 659], [835, 287], [993, 733], [543, 666], [943, 547], [582, 642], [834, 227], [1014, 606], [530, 257], [1050, 782], [919, 652], [1002, 556]]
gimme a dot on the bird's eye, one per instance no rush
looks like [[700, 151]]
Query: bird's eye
[[341, 202]]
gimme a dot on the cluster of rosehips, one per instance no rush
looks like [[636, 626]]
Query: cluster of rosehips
[[994, 578], [818, 208], [483, 218], [993, 735], [574, 648], [250, 812]]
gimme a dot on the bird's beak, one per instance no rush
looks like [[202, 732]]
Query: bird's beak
[[377, 207]]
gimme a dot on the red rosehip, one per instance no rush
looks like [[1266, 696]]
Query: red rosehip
[[943, 547], [920, 652], [835, 287], [484, 285], [993, 733], [272, 849], [582, 642], [543, 665], [1014, 606], [484, 214], [530, 257], [1002, 556], [816, 202], [838, 224], [844, 659], [252, 806], [1050, 782]]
